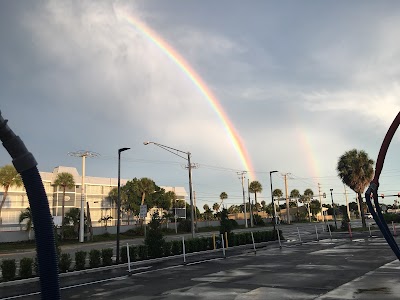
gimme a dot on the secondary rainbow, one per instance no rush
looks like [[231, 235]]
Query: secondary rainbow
[[199, 83]]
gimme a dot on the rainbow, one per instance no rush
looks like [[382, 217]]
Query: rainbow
[[199, 83]]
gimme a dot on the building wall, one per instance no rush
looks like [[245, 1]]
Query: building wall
[[96, 192]]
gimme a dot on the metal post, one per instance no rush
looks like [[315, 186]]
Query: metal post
[[244, 198], [369, 228], [272, 199], [183, 249], [223, 244], [254, 244], [279, 237], [129, 257], [119, 201], [191, 193], [330, 232], [333, 207], [82, 213], [316, 232]]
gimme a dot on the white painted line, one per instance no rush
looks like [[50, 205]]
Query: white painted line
[[204, 261], [20, 296]]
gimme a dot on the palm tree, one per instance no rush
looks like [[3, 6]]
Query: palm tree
[[223, 196], [307, 196], [215, 207], [295, 194], [255, 187], [8, 177], [146, 186], [27, 215], [355, 169], [105, 220], [64, 180]]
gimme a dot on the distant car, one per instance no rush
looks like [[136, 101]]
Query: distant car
[[369, 216]]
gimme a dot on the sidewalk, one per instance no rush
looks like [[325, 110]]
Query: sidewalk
[[382, 283]]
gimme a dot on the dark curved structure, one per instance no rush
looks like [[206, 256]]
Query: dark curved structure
[[25, 164], [373, 188]]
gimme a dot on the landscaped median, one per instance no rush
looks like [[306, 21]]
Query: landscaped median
[[98, 258]]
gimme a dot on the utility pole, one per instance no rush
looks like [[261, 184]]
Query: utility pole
[[250, 208], [195, 211], [320, 200], [241, 174], [347, 202], [287, 199]]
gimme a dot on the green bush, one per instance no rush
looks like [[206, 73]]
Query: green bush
[[167, 248], [133, 251], [185, 225], [65, 262], [106, 256], [258, 220], [8, 269], [176, 248], [390, 217], [80, 260], [25, 267], [154, 238], [94, 258], [142, 252], [36, 266]]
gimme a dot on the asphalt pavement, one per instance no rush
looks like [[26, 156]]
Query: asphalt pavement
[[332, 267]]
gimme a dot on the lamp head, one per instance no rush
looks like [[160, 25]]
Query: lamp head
[[273, 172], [146, 143], [123, 149]]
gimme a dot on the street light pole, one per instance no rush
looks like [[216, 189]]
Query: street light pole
[[119, 200], [83, 154], [272, 198], [333, 207], [190, 176]]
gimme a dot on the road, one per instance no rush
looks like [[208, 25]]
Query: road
[[307, 231], [323, 270]]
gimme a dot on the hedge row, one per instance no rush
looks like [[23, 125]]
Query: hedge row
[[137, 253], [28, 266]]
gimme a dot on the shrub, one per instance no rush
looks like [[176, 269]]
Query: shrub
[[106, 256], [25, 267], [167, 248], [176, 247], [8, 269], [234, 223], [390, 217], [65, 262], [94, 258], [36, 266], [154, 239], [133, 251], [185, 225], [142, 252], [80, 260], [258, 220]]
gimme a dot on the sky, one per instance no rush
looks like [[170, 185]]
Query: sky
[[296, 84]]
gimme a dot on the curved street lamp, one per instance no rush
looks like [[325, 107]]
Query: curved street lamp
[[119, 200], [175, 152]]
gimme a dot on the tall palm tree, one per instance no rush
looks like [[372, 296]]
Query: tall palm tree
[[215, 207], [64, 180], [146, 186], [8, 177], [307, 196], [295, 194], [27, 215], [223, 196], [355, 169], [255, 187]]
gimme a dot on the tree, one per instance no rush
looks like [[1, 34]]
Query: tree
[[315, 207], [277, 195], [225, 224], [295, 194], [307, 196], [64, 180], [223, 196], [146, 186], [73, 216], [27, 215], [216, 207], [105, 220], [8, 177], [355, 169], [255, 187]]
